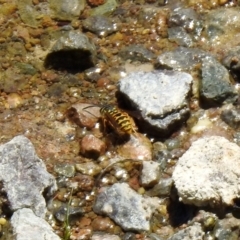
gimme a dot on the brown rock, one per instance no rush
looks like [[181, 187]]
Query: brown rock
[[84, 222], [92, 147], [81, 234], [85, 182], [84, 117], [103, 224], [138, 147]]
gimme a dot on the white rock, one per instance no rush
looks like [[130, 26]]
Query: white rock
[[27, 226], [150, 173], [209, 172], [127, 208], [194, 232]]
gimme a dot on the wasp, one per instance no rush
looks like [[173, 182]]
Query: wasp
[[117, 119]]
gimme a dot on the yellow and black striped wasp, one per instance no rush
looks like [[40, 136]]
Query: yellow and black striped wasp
[[117, 119]]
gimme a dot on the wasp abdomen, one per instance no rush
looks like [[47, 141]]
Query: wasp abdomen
[[120, 121]]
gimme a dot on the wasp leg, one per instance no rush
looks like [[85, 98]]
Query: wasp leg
[[104, 123]]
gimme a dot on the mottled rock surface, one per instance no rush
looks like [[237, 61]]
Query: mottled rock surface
[[126, 207], [150, 173], [188, 20], [136, 53], [92, 146], [231, 116], [66, 10], [100, 25], [208, 173], [231, 59], [24, 176], [181, 58], [227, 228], [160, 98], [216, 86], [137, 147], [84, 117], [180, 36], [223, 23], [27, 226], [194, 232]]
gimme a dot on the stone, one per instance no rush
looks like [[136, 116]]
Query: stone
[[216, 86], [84, 117], [88, 168], [136, 53], [208, 172], [24, 176], [181, 58], [106, 9], [193, 232], [231, 59], [65, 169], [161, 189], [92, 146], [105, 236], [126, 207], [231, 116], [180, 36], [66, 10], [100, 25], [227, 228], [150, 173], [137, 147], [27, 226], [188, 19], [160, 98], [61, 209], [222, 24]]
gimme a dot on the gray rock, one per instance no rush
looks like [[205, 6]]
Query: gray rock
[[136, 53], [194, 232], [180, 36], [222, 22], [27, 226], [163, 188], [28, 13], [231, 116], [66, 10], [216, 87], [227, 228], [73, 50], [100, 25], [231, 59], [106, 9], [61, 210], [208, 173], [188, 19], [160, 98], [126, 207], [24, 176], [181, 58], [150, 173]]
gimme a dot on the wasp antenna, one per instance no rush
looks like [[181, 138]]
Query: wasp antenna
[[91, 113], [90, 107], [84, 109]]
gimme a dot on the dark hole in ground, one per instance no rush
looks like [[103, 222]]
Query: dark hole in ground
[[69, 60], [179, 213]]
